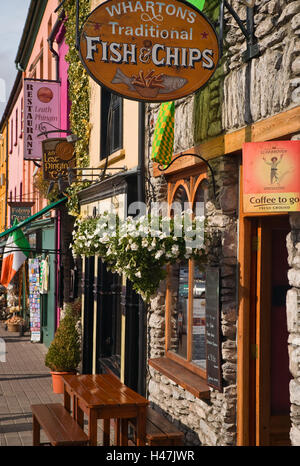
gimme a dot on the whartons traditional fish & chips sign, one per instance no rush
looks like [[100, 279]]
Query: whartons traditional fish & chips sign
[[149, 51]]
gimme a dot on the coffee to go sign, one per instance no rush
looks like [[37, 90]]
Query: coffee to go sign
[[149, 51], [271, 181]]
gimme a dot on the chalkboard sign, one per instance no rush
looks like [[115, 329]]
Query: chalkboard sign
[[213, 343]]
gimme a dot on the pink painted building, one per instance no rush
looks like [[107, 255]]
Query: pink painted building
[[15, 147], [41, 56]]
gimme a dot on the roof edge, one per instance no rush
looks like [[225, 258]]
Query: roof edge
[[34, 17]]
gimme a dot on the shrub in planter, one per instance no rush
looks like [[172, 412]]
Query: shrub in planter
[[63, 355]]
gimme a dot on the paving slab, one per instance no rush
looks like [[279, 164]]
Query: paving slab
[[25, 380]]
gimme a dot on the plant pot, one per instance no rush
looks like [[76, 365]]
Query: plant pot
[[13, 327], [57, 381]]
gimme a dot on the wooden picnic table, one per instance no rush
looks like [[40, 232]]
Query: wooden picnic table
[[103, 396]]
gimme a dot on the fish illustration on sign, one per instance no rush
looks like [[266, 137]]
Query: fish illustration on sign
[[151, 84]]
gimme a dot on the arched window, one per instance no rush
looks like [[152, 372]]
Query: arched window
[[185, 306]]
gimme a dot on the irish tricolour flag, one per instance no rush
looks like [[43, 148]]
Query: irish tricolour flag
[[16, 252]]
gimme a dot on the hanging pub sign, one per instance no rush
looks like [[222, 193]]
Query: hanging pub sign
[[41, 113], [20, 211], [149, 51], [271, 181], [58, 156]]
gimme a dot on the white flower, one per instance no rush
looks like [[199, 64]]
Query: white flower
[[159, 254], [138, 274], [134, 247], [175, 250]]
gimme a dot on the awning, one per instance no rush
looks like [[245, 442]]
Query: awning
[[34, 216]]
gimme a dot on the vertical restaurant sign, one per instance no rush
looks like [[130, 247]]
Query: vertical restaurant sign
[[58, 155], [271, 181], [41, 113], [149, 51]]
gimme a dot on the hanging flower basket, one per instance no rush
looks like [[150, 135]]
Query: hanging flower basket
[[141, 248]]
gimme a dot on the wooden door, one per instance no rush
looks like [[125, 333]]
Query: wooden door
[[269, 361]]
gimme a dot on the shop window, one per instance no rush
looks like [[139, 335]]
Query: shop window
[[185, 306], [111, 123]]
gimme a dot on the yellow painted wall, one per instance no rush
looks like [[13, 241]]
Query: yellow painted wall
[[128, 155], [3, 176]]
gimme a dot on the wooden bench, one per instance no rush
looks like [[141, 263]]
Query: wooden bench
[[159, 431], [60, 428]]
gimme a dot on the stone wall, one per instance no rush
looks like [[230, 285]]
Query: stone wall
[[274, 76], [210, 422], [220, 107], [293, 321]]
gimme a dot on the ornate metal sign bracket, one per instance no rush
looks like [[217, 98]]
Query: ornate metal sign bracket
[[247, 30], [163, 168]]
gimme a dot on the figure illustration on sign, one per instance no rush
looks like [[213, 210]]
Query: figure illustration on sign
[[274, 170]]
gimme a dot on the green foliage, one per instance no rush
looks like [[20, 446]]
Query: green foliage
[[79, 96], [141, 248], [64, 351]]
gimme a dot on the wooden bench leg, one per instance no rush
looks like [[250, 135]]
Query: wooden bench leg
[[141, 427], [92, 428], [124, 433], [117, 431], [36, 432], [106, 432]]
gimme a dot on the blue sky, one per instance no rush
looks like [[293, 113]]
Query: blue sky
[[13, 15]]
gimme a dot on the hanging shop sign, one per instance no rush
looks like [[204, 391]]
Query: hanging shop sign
[[41, 113], [58, 156], [271, 181], [20, 211], [149, 51]]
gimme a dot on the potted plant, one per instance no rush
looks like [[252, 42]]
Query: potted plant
[[63, 355], [15, 324]]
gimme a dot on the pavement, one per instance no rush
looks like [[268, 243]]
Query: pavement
[[24, 380]]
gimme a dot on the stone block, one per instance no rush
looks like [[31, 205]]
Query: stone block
[[294, 217], [289, 12], [153, 388], [295, 392], [294, 354], [229, 198], [208, 433], [295, 435], [293, 309]]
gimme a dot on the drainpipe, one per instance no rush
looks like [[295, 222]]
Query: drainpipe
[[141, 198], [51, 38]]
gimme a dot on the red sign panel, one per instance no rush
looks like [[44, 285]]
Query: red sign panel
[[271, 181]]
